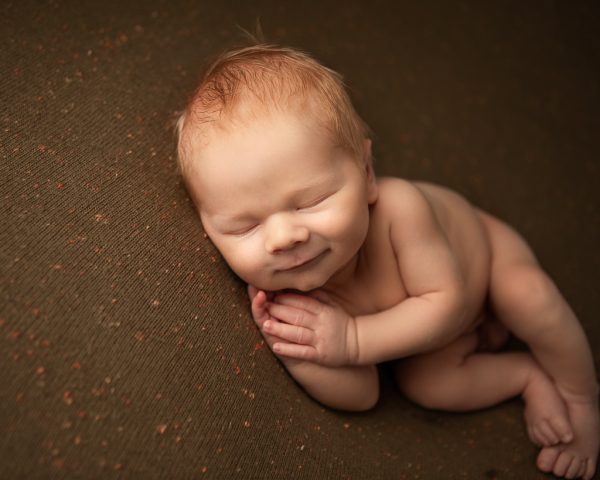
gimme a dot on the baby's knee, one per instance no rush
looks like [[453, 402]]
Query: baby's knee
[[529, 293]]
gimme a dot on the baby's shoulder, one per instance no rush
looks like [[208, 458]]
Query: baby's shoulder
[[399, 198], [394, 186]]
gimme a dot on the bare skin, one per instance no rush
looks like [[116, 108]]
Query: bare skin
[[346, 272]]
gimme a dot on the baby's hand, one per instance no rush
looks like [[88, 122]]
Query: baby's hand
[[259, 299], [311, 327]]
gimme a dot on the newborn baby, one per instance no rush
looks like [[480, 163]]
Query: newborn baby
[[346, 270]]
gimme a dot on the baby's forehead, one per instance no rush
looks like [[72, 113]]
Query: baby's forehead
[[248, 120], [268, 152]]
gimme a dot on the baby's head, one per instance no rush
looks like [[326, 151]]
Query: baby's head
[[246, 84], [279, 166]]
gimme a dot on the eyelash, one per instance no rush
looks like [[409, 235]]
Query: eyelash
[[315, 202], [244, 231]]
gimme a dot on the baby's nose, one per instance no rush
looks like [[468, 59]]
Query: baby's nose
[[283, 234]]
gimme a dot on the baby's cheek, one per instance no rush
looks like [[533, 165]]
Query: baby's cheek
[[246, 261], [345, 225], [330, 220]]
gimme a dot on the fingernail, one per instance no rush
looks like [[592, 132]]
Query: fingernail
[[267, 325]]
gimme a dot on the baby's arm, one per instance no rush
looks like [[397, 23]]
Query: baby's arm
[[345, 388], [433, 314]]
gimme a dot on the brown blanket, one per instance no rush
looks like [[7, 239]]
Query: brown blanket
[[126, 344]]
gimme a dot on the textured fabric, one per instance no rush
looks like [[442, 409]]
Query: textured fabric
[[126, 345]]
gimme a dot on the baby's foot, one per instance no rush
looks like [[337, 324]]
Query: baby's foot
[[546, 414], [578, 458]]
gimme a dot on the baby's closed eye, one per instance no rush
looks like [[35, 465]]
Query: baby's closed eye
[[243, 230], [314, 202]]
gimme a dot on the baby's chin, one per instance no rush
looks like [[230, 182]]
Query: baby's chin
[[300, 285]]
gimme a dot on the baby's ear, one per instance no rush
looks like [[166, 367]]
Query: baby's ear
[[372, 189]]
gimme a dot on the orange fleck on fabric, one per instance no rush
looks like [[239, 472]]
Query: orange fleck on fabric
[[68, 397], [162, 428]]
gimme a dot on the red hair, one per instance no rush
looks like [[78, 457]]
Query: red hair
[[264, 78]]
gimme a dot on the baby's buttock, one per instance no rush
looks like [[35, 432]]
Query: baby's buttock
[[468, 240]]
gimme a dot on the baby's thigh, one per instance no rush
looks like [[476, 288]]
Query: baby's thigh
[[507, 246], [520, 292]]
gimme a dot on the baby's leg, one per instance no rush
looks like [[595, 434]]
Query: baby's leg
[[457, 378], [526, 300]]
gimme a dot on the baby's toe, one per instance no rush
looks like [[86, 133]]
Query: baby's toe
[[547, 457], [582, 469], [562, 464], [574, 468], [562, 428], [590, 469], [533, 436], [547, 434]]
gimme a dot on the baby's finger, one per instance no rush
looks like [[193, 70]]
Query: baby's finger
[[290, 314], [291, 333], [299, 352], [259, 311], [269, 338], [302, 302]]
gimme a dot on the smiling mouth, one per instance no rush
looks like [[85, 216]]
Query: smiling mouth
[[306, 263]]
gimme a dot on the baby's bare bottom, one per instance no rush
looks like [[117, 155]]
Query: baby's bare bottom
[[556, 380]]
